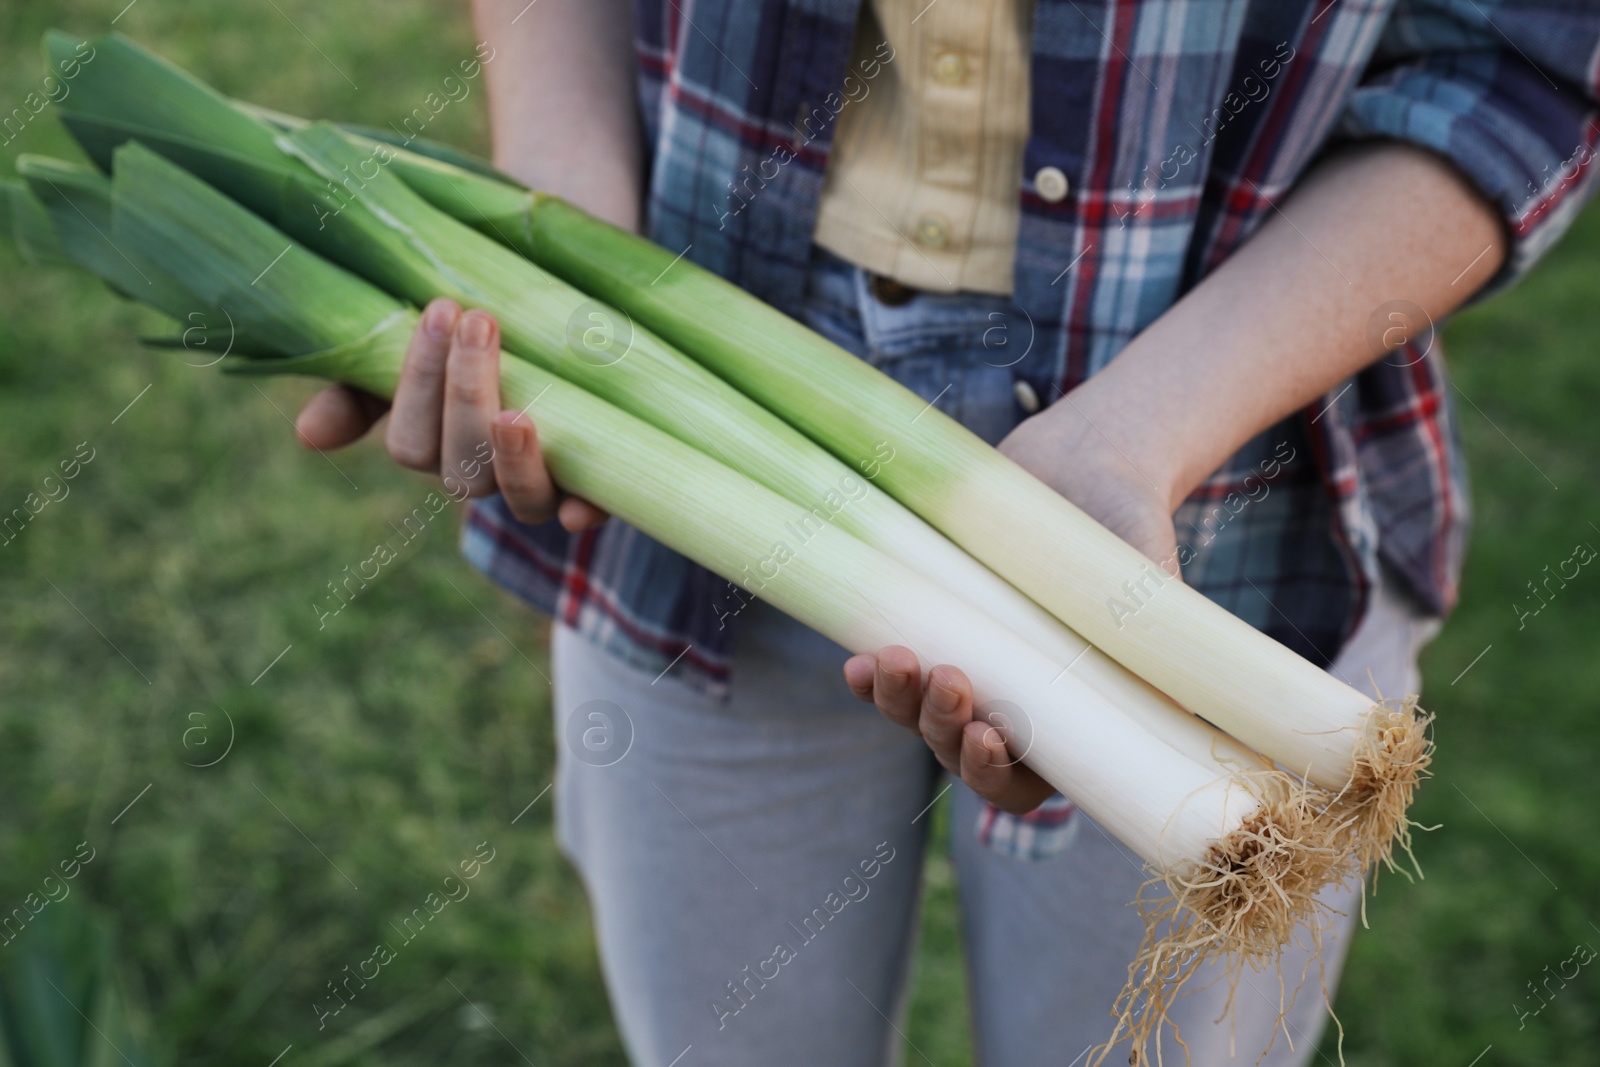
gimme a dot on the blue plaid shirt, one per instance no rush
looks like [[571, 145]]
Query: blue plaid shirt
[[1178, 123]]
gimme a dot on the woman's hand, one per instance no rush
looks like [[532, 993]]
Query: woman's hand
[[1080, 460], [1096, 464], [562, 107], [446, 420], [942, 712]]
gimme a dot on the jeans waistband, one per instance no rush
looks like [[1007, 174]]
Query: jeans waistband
[[980, 327]]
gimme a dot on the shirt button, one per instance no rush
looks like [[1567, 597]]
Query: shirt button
[[950, 68], [1051, 185], [1027, 399], [933, 231]]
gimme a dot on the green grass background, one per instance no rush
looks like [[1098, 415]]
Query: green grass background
[[138, 611]]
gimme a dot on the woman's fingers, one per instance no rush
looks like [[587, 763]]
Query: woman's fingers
[[519, 468], [524, 480], [942, 712], [446, 418], [337, 416], [858, 673], [576, 514], [892, 681], [946, 710], [897, 685], [991, 771], [471, 402], [414, 425]]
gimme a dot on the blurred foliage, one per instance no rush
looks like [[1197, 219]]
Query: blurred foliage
[[1512, 881], [141, 609], [60, 1001]]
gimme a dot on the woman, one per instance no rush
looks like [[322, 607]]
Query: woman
[[1181, 261]]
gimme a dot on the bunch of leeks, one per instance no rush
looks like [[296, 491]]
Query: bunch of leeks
[[1369, 753], [737, 457]]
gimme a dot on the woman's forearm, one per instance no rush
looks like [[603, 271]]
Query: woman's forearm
[[562, 103], [1295, 311]]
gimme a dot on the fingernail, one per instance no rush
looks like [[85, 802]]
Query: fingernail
[[439, 319], [994, 747], [942, 699], [475, 330], [508, 435]]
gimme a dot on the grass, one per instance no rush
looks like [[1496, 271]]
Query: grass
[[1512, 872], [141, 610]]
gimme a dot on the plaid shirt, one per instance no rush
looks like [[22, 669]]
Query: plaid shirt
[[1179, 124]]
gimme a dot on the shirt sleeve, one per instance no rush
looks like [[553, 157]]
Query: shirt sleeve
[[1507, 91], [1043, 833]]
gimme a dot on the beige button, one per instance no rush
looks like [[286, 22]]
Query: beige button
[[1051, 184], [950, 68], [1027, 398], [933, 231]]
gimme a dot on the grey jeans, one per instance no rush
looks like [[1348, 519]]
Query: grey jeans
[[753, 868]]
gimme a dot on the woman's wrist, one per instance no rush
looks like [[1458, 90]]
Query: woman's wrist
[[609, 191], [1106, 467], [1106, 423], [562, 101]]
